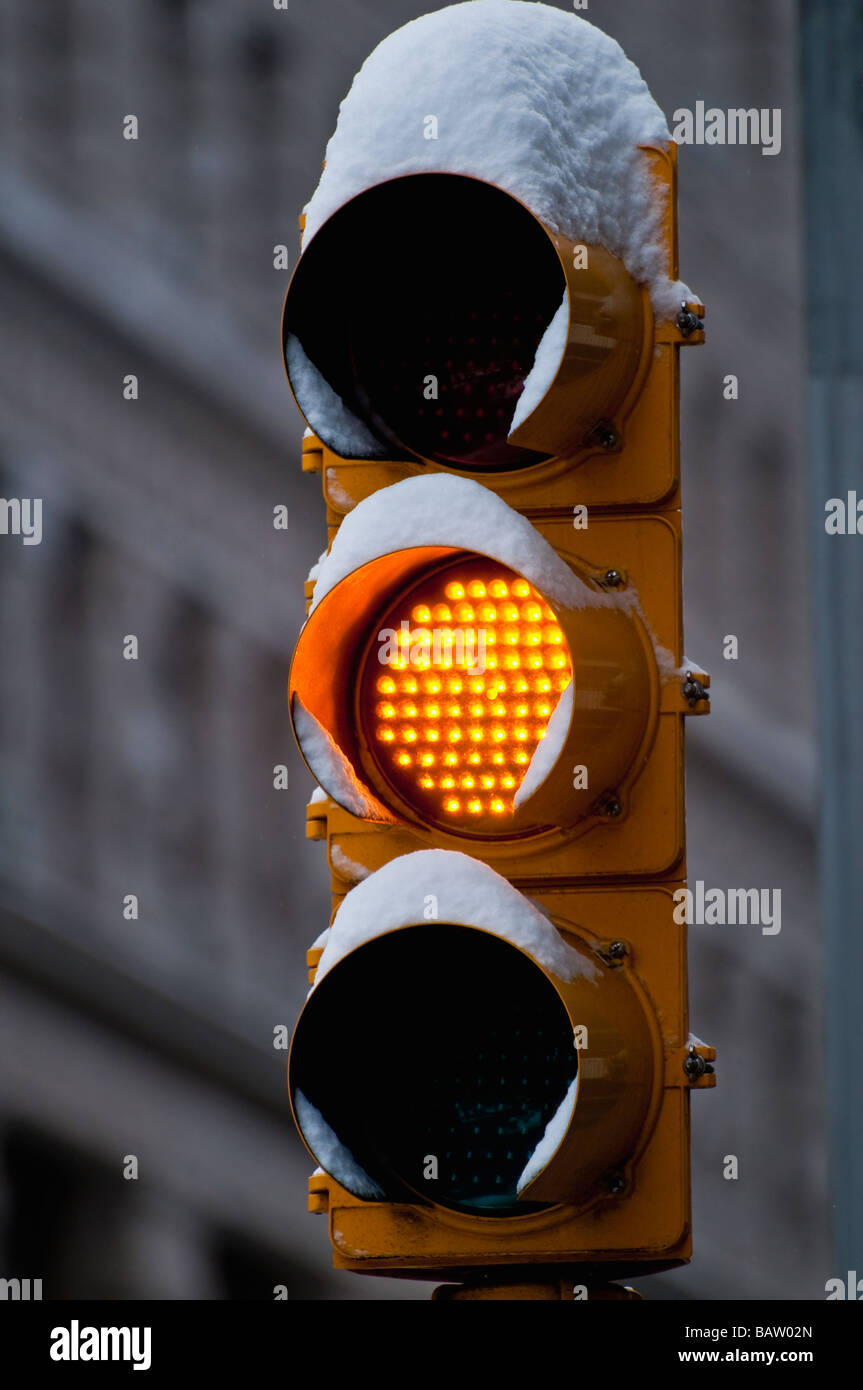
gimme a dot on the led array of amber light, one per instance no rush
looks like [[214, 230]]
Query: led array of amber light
[[470, 678]]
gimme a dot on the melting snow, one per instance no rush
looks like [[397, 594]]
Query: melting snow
[[461, 891], [545, 364], [551, 1140], [330, 766], [346, 434], [331, 1153], [347, 867], [548, 750], [442, 509]]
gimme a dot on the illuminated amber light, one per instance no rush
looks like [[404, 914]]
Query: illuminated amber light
[[475, 673]]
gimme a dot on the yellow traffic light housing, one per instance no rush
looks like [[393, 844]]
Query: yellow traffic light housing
[[490, 690]]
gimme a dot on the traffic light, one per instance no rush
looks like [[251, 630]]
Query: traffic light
[[493, 1067]]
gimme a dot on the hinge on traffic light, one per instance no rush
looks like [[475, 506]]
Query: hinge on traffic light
[[690, 322], [688, 695], [316, 820], [313, 454], [690, 319], [319, 1194], [695, 689], [692, 1065]]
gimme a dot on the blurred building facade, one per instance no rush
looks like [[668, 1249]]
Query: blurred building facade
[[152, 1036]]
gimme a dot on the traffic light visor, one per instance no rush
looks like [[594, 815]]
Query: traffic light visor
[[430, 315], [431, 684], [487, 1061], [435, 1057]]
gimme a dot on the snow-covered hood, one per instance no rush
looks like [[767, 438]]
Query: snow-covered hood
[[534, 100]]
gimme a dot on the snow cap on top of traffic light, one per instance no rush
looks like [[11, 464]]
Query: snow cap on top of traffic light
[[465, 893], [536, 101], [449, 511]]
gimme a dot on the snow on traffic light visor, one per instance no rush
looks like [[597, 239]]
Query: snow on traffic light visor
[[445, 686], [434, 317]]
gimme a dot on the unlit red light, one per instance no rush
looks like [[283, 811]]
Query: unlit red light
[[482, 707]]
